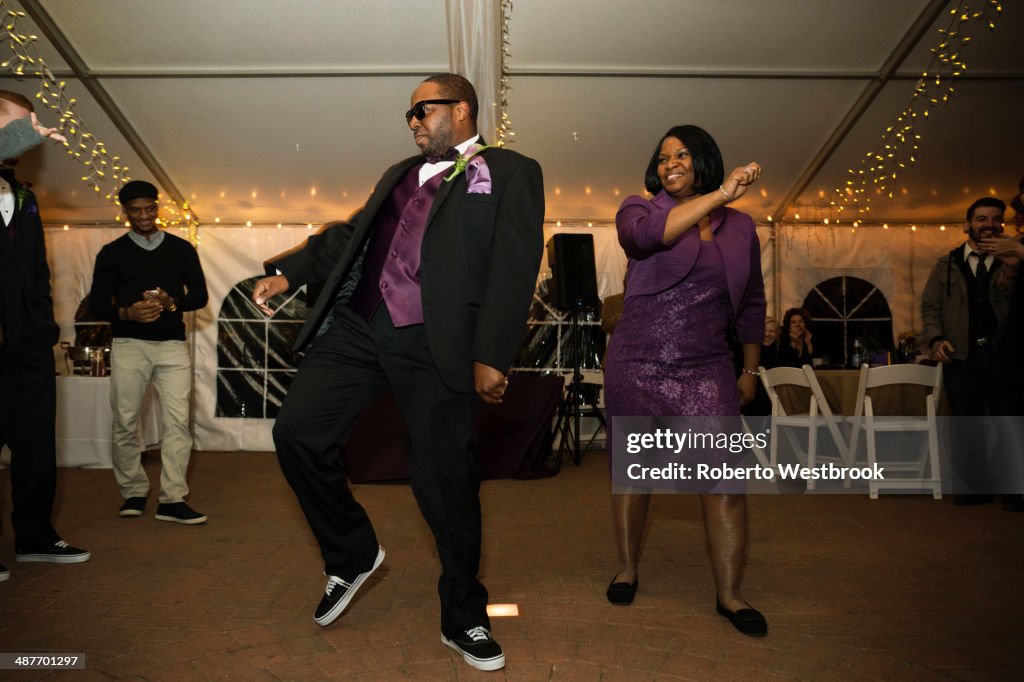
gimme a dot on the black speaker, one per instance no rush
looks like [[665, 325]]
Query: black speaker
[[573, 273]]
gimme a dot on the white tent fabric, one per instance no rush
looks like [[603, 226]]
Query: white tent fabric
[[230, 255], [897, 261], [267, 116]]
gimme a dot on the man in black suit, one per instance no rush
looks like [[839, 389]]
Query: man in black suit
[[28, 390], [428, 292]]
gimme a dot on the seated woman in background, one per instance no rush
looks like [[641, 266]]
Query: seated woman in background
[[795, 347]]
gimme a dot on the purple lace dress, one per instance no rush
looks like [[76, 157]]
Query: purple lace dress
[[668, 355]]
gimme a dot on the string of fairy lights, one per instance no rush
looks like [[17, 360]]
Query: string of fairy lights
[[897, 152], [104, 173], [876, 173], [504, 130]]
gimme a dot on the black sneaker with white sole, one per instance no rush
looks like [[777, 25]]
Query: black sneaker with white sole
[[179, 512], [4, 573], [478, 648], [339, 593], [59, 552], [133, 506]]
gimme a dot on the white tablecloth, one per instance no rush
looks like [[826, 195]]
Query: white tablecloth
[[84, 421]]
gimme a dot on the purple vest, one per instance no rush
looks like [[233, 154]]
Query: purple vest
[[391, 269]]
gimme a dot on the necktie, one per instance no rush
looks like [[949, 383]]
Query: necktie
[[451, 155], [982, 271]]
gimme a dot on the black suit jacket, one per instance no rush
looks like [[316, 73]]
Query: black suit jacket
[[26, 307], [480, 258]]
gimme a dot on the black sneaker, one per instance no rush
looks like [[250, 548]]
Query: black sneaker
[[179, 512], [340, 592], [4, 573], [478, 648], [59, 552], [133, 506]]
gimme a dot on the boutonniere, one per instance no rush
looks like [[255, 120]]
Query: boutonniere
[[22, 195], [463, 161]]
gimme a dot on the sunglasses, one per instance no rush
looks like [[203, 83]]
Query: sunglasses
[[420, 113]]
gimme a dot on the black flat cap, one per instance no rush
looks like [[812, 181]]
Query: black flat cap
[[137, 189]]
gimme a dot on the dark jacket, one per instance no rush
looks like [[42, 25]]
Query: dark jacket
[[945, 309], [26, 306], [480, 258]]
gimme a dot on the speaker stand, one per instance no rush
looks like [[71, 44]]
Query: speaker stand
[[570, 410]]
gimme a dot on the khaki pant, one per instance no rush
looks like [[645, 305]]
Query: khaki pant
[[134, 365]]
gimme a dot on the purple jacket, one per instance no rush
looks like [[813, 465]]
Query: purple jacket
[[654, 266]]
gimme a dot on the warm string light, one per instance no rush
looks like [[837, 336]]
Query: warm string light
[[102, 169], [82, 144], [901, 140], [504, 130]]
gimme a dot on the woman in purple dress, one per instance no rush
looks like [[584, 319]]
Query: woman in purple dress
[[694, 273]]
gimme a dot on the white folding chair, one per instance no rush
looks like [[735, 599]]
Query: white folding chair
[[818, 415], [924, 466]]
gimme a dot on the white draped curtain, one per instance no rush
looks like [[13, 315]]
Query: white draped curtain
[[474, 51]]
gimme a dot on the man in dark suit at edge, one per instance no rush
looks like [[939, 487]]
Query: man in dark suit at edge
[[28, 390], [428, 293]]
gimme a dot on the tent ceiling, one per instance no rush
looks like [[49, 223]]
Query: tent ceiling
[[249, 111]]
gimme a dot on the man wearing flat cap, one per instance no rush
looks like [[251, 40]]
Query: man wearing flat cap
[[142, 284]]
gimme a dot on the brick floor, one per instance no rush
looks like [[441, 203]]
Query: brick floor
[[898, 588]]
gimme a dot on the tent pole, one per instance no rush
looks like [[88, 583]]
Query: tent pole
[[776, 275]]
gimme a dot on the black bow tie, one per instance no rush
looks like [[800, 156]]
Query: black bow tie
[[451, 155]]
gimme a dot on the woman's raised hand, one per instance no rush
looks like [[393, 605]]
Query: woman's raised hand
[[740, 179]]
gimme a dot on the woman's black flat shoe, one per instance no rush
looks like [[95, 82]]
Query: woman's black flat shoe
[[621, 594], [748, 621]]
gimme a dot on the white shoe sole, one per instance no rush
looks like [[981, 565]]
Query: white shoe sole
[[53, 559], [4, 576], [128, 513], [339, 608], [175, 519], [487, 665]]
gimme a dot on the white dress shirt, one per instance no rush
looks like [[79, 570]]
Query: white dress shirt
[[6, 201], [429, 170], [972, 263]]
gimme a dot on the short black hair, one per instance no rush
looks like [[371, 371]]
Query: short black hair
[[708, 170], [454, 86], [16, 98], [986, 201]]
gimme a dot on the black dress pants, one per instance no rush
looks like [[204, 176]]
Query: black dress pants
[[28, 408], [977, 388], [347, 368]]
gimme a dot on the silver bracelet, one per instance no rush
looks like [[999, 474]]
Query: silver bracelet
[[751, 372], [727, 195]]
